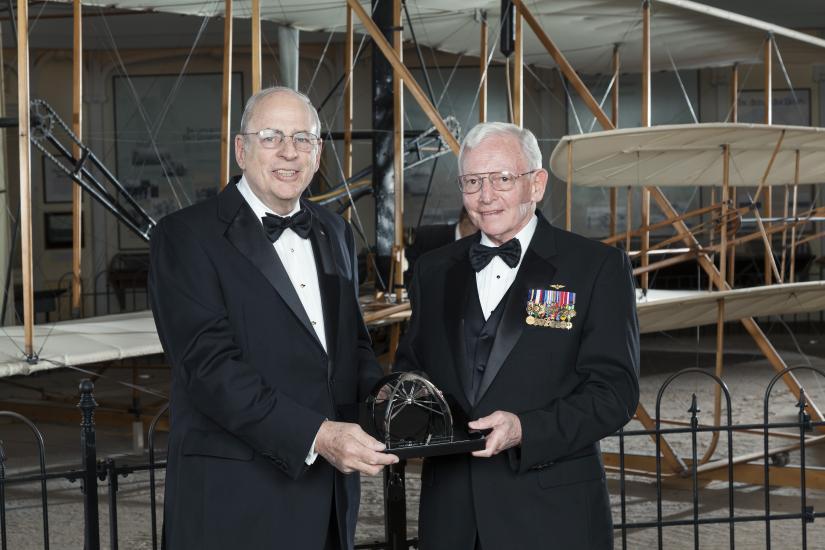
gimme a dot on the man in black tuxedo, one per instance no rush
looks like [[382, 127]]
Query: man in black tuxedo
[[254, 294], [533, 331]]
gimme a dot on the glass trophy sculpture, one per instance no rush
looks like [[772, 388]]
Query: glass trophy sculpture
[[413, 419]]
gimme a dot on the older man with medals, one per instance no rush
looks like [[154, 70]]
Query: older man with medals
[[533, 331]]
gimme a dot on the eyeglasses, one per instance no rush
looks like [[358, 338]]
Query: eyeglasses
[[501, 181], [272, 139]]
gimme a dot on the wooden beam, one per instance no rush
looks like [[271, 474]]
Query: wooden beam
[[734, 117], [226, 95], [723, 230], [768, 60], [793, 214], [645, 244], [720, 305], [674, 463], [410, 82], [348, 87], [518, 71], [482, 91], [568, 202], [24, 148], [398, 146], [77, 128], [614, 118], [255, 20], [564, 66], [734, 93], [752, 474]]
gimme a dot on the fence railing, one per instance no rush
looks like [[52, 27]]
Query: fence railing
[[93, 470]]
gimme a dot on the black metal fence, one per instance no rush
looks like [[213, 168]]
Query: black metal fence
[[93, 470]]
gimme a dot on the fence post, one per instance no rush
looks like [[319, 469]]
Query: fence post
[[2, 497], [111, 474], [88, 449]]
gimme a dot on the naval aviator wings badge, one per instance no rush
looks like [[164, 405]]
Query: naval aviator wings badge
[[551, 308]]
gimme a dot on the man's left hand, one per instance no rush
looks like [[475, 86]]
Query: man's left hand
[[506, 432]]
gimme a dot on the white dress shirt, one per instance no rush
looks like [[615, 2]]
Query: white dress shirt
[[495, 279], [299, 262]]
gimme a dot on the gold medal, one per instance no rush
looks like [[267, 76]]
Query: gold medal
[[530, 320]]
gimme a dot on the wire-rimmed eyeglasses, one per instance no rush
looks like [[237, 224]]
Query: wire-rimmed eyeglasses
[[272, 139], [501, 181]]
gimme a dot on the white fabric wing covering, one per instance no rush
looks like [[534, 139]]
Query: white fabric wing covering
[[79, 342], [669, 310], [691, 154]]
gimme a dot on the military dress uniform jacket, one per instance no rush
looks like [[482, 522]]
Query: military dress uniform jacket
[[569, 385], [251, 382]]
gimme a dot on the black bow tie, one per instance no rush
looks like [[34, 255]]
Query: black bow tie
[[481, 255], [300, 223]]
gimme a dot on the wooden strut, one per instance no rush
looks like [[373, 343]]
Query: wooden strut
[[568, 202], [614, 118], [77, 128], [734, 114], [24, 148], [397, 277], [410, 82], [226, 95], [348, 104], [645, 206], [743, 472], [482, 91], [255, 21], [707, 250], [793, 213], [518, 71], [720, 305], [667, 208], [768, 60]]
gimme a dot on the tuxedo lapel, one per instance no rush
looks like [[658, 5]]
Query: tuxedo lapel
[[536, 271], [328, 280], [246, 233], [459, 289]]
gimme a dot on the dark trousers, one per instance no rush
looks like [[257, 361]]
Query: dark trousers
[[333, 541]]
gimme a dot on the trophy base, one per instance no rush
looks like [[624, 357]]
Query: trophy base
[[465, 442]]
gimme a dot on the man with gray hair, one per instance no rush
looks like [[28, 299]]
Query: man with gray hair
[[533, 331], [255, 297]]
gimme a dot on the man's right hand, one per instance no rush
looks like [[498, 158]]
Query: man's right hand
[[349, 448]]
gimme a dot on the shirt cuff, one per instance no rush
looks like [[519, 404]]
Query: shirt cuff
[[311, 455]]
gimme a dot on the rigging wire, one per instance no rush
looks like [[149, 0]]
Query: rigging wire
[[682, 86], [790, 84], [357, 217], [142, 112]]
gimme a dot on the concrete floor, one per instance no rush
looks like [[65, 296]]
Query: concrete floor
[[746, 374]]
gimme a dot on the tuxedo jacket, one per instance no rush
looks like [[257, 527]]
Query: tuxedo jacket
[[569, 388], [251, 382]]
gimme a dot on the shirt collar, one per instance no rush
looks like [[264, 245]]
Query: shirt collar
[[524, 236], [256, 204]]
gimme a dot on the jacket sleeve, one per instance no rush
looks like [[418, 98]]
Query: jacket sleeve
[[608, 363], [186, 296]]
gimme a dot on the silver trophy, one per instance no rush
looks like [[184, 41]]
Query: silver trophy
[[413, 419]]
